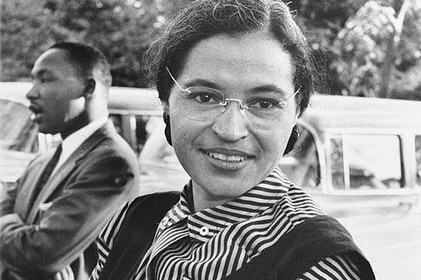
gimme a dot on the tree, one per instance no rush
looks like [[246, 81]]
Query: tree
[[359, 47], [322, 21], [19, 46], [122, 29], [372, 44]]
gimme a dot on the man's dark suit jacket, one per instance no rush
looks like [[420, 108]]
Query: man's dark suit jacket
[[59, 228]]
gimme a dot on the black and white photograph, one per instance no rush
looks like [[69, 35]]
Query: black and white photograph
[[210, 140]]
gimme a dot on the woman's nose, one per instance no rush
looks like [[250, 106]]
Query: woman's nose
[[232, 124]]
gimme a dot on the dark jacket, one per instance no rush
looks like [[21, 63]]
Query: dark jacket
[[78, 200]]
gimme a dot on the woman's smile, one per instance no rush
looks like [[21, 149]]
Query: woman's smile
[[230, 160]]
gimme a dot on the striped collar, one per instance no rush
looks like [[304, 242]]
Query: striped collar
[[204, 224]]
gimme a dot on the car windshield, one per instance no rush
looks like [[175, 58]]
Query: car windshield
[[17, 132]]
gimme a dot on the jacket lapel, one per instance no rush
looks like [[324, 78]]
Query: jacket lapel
[[68, 166], [30, 179]]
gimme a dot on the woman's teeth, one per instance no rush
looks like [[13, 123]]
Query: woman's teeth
[[232, 158]]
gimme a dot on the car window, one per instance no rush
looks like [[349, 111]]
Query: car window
[[156, 149], [133, 128], [17, 132], [160, 168], [418, 157], [365, 162], [301, 165]]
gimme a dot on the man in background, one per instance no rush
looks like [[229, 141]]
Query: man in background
[[49, 223]]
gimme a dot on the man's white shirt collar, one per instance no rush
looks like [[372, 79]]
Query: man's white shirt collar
[[74, 140]]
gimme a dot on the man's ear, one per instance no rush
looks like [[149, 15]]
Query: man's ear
[[90, 85]]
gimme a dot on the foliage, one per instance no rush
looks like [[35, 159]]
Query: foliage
[[322, 21], [361, 44], [372, 45], [122, 29], [353, 37], [351, 40]]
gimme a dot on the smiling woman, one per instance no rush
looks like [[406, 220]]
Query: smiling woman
[[209, 149], [233, 78]]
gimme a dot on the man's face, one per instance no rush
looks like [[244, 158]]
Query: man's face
[[57, 95]]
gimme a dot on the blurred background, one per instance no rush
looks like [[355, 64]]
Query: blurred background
[[360, 48]]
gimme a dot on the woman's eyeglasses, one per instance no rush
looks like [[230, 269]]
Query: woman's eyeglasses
[[263, 111]]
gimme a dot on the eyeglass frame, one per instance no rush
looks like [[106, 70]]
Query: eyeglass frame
[[243, 106]]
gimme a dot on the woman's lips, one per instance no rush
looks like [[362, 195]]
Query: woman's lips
[[227, 158], [231, 160]]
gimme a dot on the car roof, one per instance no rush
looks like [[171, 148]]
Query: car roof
[[325, 111], [345, 112], [15, 91], [141, 101], [122, 100]]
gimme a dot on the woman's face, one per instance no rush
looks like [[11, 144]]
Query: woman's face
[[227, 155]]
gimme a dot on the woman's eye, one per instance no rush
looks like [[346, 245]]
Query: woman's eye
[[264, 104], [204, 98], [204, 95]]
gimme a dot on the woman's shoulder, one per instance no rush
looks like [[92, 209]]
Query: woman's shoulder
[[169, 196], [311, 242], [297, 205], [138, 209], [316, 239]]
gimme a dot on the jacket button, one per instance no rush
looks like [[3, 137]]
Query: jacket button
[[165, 220], [204, 231]]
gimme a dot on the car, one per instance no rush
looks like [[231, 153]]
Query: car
[[360, 158]]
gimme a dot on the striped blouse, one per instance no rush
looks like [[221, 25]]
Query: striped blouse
[[215, 242]]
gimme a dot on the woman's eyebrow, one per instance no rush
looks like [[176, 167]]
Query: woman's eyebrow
[[268, 88], [258, 89], [203, 83]]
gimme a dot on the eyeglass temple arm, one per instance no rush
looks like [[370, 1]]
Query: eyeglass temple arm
[[174, 80], [286, 100]]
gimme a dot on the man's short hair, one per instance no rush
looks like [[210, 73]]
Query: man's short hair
[[90, 60]]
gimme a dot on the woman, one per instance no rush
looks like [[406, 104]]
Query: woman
[[233, 77]]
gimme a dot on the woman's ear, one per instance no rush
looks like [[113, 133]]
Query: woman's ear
[[166, 117], [295, 134], [165, 107]]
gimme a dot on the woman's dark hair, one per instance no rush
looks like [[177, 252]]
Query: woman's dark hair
[[205, 18]]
